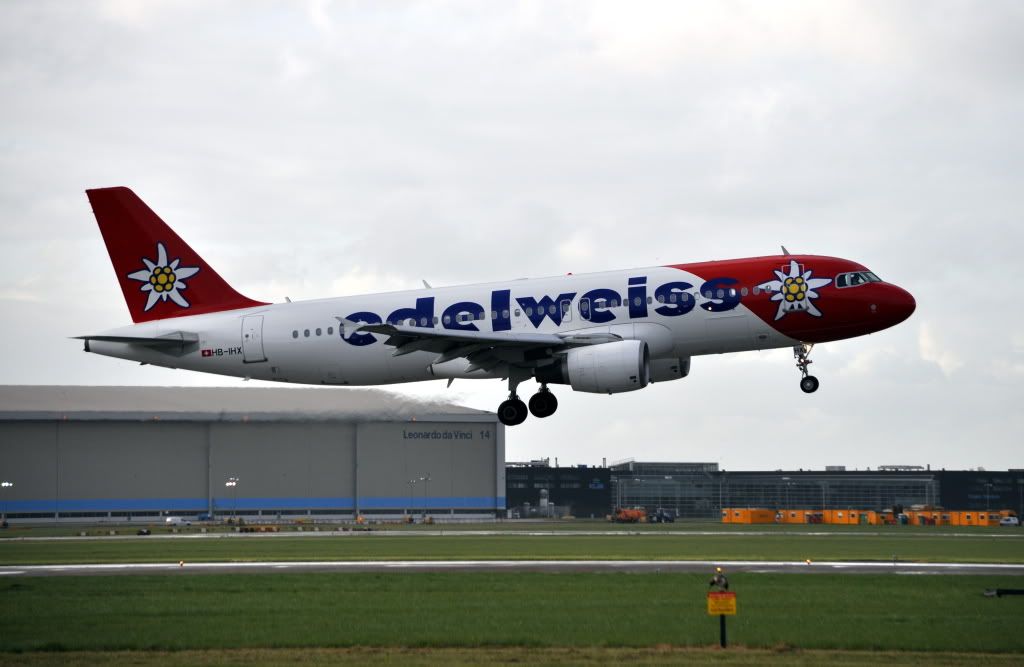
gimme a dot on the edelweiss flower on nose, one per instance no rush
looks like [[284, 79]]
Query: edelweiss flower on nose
[[163, 281], [795, 290]]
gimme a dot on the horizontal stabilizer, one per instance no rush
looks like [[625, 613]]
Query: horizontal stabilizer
[[173, 340]]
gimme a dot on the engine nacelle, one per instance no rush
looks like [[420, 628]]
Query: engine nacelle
[[608, 368], [663, 370]]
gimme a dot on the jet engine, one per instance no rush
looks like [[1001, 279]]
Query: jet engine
[[607, 368]]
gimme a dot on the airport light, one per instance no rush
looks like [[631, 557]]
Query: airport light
[[6, 485], [232, 483], [411, 483], [426, 487]]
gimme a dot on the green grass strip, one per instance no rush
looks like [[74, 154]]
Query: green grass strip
[[430, 610], [915, 547], [514, 655]]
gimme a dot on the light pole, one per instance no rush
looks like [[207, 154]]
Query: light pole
[[232, 484], [786, 480], [988, 496], [426, 487], [5, 485], [411, 482]]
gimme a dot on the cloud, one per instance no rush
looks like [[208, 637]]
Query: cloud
[[322, 148]]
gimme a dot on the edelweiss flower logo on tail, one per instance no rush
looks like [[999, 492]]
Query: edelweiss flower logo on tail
[[795, 290], [163, 281]]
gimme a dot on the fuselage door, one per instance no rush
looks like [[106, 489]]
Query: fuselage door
[[252, 339], [566, 308]]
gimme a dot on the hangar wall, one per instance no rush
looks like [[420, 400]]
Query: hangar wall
[[93, 464]]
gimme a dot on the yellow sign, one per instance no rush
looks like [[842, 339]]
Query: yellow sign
[[721, 604]]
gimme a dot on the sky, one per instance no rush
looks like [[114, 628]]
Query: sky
[[321, 149]]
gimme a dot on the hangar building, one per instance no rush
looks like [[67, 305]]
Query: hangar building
[[122, 452]]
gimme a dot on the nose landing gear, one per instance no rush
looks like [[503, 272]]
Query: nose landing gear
[[802, 354]]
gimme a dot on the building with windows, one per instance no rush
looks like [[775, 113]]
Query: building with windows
[[578, 491], [94, 453], [701, 490]]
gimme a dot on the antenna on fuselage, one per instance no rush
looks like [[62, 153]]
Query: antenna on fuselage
[[426, 284], [784, 251]]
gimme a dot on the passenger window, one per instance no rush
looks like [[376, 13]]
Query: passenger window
[[435, 319], [614, 303], [318, 331], [305, 332], [494, 314], [721, 293], [636, 301], [756, 290], [551, 309], [650, 300], [504, 313], [585, 306], [330, 331], [661, 298], [673, 297], [518, 312], [743, 291], [447, 319], [295, 333], [423, 321]]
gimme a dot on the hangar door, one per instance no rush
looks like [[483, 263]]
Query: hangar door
[[252, 339]]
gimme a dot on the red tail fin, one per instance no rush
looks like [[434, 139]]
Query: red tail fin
[[160, 275]]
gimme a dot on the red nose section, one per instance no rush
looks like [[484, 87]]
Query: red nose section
[[895, 304]]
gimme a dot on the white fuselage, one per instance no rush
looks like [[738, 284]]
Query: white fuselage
[[314, 342]]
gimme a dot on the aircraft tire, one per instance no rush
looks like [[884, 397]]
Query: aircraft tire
[[809, 384], [543, 404], [512, 412]]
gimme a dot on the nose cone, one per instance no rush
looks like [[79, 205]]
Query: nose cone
[[896, 305]]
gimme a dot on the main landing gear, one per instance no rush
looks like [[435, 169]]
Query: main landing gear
[[513, 411], [802, 354], [543, 403]]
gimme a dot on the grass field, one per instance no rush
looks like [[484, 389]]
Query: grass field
[[863, 612], [917, 546], [506, 618], [515, 655]]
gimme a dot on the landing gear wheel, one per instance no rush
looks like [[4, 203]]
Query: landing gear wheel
[[512, 412], [809, 384], [543, 404]]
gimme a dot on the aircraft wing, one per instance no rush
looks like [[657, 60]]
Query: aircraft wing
[[484, 349]]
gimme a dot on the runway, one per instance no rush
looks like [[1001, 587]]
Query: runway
[[550, 566]]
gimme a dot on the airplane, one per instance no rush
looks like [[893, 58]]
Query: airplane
[[608, 332]]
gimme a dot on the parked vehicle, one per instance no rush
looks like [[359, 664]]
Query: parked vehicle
[[176, 521], [662, 515], [635, 515], [1009, 521]]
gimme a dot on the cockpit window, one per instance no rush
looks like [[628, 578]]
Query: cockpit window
[[856, 278]]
